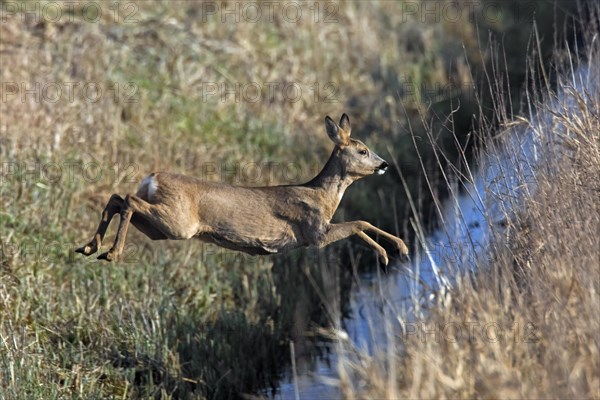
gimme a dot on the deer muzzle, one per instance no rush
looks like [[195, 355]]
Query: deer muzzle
[[382, 168]]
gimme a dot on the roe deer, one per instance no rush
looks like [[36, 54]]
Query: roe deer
[[255, 220]]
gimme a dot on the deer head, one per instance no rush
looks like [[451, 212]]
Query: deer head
[[355, 159]]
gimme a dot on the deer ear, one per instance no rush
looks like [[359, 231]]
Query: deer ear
[[345, 123], [333, 131]]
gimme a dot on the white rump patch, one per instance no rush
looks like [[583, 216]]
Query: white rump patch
[[150, 184]]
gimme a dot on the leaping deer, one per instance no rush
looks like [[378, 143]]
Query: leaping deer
[[255, 220]]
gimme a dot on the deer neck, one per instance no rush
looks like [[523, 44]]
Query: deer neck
[[332, 179]]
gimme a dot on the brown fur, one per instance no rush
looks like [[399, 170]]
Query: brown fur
[[255, 220]]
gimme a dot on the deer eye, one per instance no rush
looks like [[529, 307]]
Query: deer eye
[[362, 152]]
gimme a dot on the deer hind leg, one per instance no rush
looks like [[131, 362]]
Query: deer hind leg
[[146, 227], [113, 206], [143, 215], [345, 229], [156, 221]]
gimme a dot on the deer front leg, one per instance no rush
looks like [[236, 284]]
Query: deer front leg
[[345, 229], [380, 250], [112, 207], [396, 241]]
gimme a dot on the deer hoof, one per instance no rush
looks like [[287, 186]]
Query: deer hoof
[[383, 258], [108, 256], [402, 247], [87, 250]]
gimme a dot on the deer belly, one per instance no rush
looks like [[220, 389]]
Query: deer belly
[[252, 237], [247, 244]]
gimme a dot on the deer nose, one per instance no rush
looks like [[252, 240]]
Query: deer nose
[[384, 165]]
